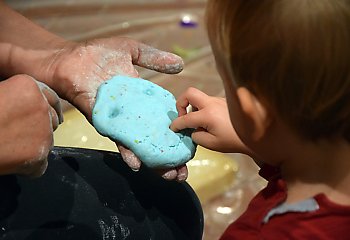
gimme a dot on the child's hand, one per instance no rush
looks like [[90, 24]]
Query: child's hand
[[211, 120]]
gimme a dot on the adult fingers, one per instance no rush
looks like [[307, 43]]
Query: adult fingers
[[167, 174], [40, 170], [54, 118], [154, 59], [182, 173], [129, 157], [54, 101], [179, 173], [35, 168]]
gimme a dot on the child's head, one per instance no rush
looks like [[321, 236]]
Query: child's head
[[293, 54]]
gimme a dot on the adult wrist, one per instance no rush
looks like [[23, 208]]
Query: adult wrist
[[38, 63]]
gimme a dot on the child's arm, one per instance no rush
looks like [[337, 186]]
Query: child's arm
[[211, 120]]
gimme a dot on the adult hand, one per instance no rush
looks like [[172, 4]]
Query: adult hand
[[74, 70], [179, 173], [79, 69], [211, 120], [30, 113]]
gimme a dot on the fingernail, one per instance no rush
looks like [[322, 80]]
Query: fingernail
[[135, 166], [135, 169]]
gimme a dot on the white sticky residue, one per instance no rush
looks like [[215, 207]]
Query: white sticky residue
[[130, 158], [107, 63], [152, 58], [41, 159], [110, 232], [69, 227], [125, 232], [68, 182]]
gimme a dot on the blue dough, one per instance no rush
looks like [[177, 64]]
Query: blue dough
[[138, 113]]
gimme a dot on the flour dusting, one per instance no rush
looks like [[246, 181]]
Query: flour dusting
[[115, 231]]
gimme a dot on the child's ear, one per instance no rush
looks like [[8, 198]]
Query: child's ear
[[256, 113]]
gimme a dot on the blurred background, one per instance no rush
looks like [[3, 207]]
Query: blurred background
[[224, 183]]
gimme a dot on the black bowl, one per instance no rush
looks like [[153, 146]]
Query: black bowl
[[91, 194]]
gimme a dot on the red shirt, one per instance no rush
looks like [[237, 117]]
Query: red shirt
[[328, 221]]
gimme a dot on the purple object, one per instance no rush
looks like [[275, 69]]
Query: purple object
[[188, 21], [188, 24]]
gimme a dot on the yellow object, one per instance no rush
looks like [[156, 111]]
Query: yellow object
[[210, 173]]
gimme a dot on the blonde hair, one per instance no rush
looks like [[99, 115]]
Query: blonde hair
[[295, 54]]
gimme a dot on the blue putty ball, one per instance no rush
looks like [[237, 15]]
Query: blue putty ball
[[138, 113]]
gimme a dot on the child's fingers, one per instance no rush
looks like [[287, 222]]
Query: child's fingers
[[204, 138], [181, 105], [193, 97], [190, 120]]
